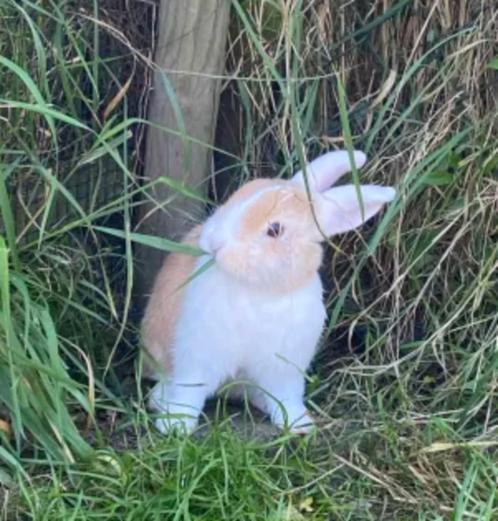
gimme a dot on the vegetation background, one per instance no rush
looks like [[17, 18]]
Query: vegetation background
[[406, 381]]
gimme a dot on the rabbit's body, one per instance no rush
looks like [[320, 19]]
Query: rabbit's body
[[227, 331], [246, 330], [258, 313]]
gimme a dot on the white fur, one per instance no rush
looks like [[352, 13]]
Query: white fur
[[326, 169], [227, 331], [340, 209]]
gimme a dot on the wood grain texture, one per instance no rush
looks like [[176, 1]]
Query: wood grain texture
[[190, 52]]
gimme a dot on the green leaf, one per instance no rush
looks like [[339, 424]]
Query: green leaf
[[493, 64], [153, 241], [438, 178], [348, 139], [96, 153], [7, 213], [44, 110], [12, 461], [33, 89], [196, 273]]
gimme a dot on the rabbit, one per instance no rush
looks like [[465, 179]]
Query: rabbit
[[258, 313]]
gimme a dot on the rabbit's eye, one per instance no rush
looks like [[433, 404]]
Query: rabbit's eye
[[275, 230]]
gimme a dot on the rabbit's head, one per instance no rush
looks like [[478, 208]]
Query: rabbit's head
[[268, 234]]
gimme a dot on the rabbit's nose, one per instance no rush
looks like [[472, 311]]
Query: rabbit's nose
[[215, 243], [211, 241]]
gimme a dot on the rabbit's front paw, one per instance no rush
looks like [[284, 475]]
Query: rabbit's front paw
[[184, 425]]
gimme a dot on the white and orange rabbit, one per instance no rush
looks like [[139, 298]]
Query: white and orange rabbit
[[257, 314]]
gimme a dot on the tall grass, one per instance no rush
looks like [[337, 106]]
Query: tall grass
[[64, 161], [70, 143], [405, 381]]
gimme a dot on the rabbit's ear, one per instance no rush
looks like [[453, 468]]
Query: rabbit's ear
[[340, 209], [325, 170]]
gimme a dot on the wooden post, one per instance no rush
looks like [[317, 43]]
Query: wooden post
[[190, 55]]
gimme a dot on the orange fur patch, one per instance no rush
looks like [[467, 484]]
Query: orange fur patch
[[164, 306], [271, 205], [281, 264]]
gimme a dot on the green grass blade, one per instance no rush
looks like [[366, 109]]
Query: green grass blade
[[152, 241]]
